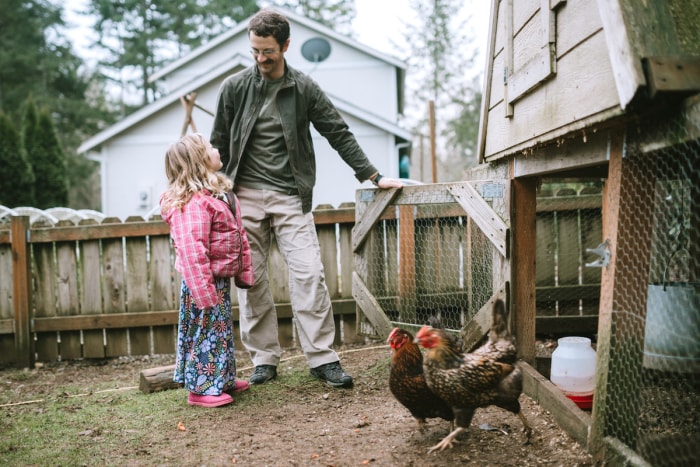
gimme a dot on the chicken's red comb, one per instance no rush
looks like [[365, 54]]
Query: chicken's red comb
[[424, 331]]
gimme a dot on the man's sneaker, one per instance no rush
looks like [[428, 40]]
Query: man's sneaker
[[333, 375], [263, 374]]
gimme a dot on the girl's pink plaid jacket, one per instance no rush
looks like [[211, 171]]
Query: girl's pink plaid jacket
[[210, 242]]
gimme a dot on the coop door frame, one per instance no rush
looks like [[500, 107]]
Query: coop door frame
[[372, 207]]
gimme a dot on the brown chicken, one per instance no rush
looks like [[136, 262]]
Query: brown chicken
[[467, 381], [407, 382]]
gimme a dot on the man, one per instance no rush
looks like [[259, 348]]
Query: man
[[262, 131]]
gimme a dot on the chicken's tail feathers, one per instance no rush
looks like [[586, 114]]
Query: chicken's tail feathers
[[499, 320]]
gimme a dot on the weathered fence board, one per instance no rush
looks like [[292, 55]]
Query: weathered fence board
[[7, 338], [137, 290], [162, 286], [44, 271], [113, 291], [91, 294], [67, 303]]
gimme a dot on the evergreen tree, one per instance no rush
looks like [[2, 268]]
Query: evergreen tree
[[36, 60], [49, 164], [439, 62], [17, 187]]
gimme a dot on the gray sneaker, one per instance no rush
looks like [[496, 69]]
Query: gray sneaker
[[333, 375], [263, 374]]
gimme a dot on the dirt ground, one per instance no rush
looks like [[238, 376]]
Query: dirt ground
[[364, 425]]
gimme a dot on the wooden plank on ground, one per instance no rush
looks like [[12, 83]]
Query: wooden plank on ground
[[157, 379]]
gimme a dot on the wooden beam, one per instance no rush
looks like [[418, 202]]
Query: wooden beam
[[480, 324], [490, 53], [524, 254], [93, 232], [407, 262], [364, 225], [672, 74], [370, 307], [567, 414], [628, 203], [21, 291], [483, 215]]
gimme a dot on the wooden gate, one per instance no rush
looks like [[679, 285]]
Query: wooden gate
[[431, 250]]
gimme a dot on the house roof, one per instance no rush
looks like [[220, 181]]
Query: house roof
[[242, 27], [237, 62], [242, 61]]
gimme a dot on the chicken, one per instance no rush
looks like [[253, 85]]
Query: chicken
[[407, 383], [467, 381]]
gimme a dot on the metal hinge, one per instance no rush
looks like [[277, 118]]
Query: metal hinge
[[603, 253]]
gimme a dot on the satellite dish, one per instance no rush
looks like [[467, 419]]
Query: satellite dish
[[316, 49]]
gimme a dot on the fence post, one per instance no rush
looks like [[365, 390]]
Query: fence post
[[21, 291]]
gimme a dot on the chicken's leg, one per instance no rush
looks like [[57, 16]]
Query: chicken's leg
[[447, 441]]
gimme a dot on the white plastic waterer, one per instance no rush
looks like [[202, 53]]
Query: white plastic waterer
[[573, 369]]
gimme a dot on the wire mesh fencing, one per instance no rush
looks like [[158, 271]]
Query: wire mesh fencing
[[426, 259], [656, 401]]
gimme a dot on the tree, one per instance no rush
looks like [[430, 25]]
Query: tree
[[17, 187], [141, 36], [37, 60], [336, 14], [46, 157], [439, 62]]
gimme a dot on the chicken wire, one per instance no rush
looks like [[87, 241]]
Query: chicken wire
[[568, 271], [653, 395], [426, 258]]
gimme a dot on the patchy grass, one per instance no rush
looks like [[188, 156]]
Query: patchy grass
[[92, 413]]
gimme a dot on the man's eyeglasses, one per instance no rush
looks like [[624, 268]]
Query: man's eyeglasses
[[265, 52]]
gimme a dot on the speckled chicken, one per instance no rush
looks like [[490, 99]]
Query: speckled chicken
[[407, 382], [467, 381]]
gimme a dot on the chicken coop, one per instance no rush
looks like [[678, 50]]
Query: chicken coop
[[583, 214]]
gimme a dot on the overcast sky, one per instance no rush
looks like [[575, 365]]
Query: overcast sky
[[376, 23]]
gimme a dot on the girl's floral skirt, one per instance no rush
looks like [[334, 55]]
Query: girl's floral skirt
[[204, 362]]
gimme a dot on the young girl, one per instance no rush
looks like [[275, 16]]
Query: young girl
[[211, 247]]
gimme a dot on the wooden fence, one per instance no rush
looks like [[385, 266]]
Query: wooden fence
[[109, 289]]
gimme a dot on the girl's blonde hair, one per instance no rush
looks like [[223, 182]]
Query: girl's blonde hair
[[188, 171]]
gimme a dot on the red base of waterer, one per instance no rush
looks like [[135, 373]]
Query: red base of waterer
[[584, 402]]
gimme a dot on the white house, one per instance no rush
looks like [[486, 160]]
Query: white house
[[366, 86]]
